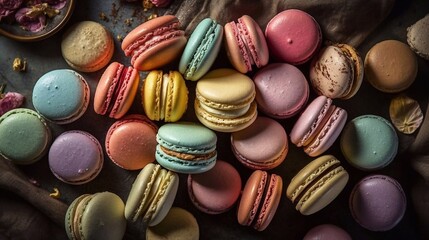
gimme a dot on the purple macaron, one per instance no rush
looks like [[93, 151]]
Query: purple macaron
[[327, 232], [378, 203], [76, 157]]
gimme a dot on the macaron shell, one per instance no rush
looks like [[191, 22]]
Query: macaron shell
[[255, 41], [131, 142], [251, 197], [332, 72], [151, 95], [263, 145], [216, 190], [178, 224], [106, 87], [75, 157], [417, 37], [126, 95], [201, 49], [177, 97], [273, 83], [106, 208], [87, 46], [327, 232], [235, 48], [226, 124], [369, 142], [378, 203], [391, 66], [32, 141], [358, 69], [305, 127], [271, 202], [61, 95], [225, 89], [293, 36], [328, 134], [72, 215]]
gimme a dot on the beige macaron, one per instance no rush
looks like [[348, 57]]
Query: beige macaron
[[87, 46]]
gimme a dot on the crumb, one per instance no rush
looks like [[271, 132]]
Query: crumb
[[103, 17], [19, 65], [114, 12], [56, 194], [34, 182], [120, 37], [147, 4], [152, 16], [128, 21]]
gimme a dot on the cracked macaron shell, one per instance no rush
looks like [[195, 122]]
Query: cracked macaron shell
[[201, 49], [152, 195], [85, 213], [317, 184]]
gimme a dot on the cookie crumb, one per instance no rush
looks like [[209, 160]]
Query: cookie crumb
[[128, 21], [19, 65], [103, 17], [56, 193], [152, 16], [119, 37]]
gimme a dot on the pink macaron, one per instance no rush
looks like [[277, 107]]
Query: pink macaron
[[276, 81], [154, 43], [260, 199], [293, 36], [245, 44], [263, 145], [318, 126], [116, 90], [131, 142], [216, 190]]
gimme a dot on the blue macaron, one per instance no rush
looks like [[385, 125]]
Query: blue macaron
[[61, 96], [186, 147], [201, 50], [369, 142]]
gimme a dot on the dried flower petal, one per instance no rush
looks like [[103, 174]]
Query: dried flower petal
[[406, 114], [29, 23], [161, 3], [19, 65], [10, 101], [56, 193]]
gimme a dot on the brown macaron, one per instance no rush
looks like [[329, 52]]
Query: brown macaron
[[390, 66]]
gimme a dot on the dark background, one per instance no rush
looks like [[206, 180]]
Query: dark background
[[45, 55]]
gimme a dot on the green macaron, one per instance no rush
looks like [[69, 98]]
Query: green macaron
[[96, 216], [24, 136]]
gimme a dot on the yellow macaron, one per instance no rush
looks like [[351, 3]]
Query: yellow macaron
[[164, 96]]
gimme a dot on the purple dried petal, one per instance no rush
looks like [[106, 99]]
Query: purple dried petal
[[33, 24], [10, 101], [161, 3], [10, 4], [6, 15]]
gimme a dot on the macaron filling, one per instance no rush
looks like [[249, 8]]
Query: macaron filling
[[190, 157], [121, 86], [267, 197], [249, 45], [260, 194]]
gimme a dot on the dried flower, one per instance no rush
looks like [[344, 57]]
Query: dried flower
[[56, 193], [19, 65], [9, 100], [405, 114]]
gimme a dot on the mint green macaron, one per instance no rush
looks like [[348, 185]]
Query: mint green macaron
[[201, 50], [24, 136], [369, 142]]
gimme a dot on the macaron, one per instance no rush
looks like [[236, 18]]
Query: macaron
[[131, 142], [317, 184], [378, 202], [318, 127], [259, 200], [327, 232], [293, 36], [273, 83], [24, 136], [61, 96], [152, 195], [201, 49], [87, 46], [179, 224], [164, 96], [154, 43], [75, 157], [369, 142], [96, 216], [215, 191], [261, 146], [225, 100], [391, 66], [337, 71], [186, 147], [245, 44], [116, 90], [417, 37]]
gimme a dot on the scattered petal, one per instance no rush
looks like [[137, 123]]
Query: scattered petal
[[10, 101], [161, 3], [405, 114], [56, 193], [11, 4], [19, 65]]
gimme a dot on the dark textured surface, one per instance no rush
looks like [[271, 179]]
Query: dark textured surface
[[45, 55]]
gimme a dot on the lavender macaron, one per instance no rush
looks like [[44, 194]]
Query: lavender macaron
[[378, 203], [76, 157], [327, 232]]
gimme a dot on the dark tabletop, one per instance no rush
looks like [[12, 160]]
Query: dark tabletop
[[45, 55]]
